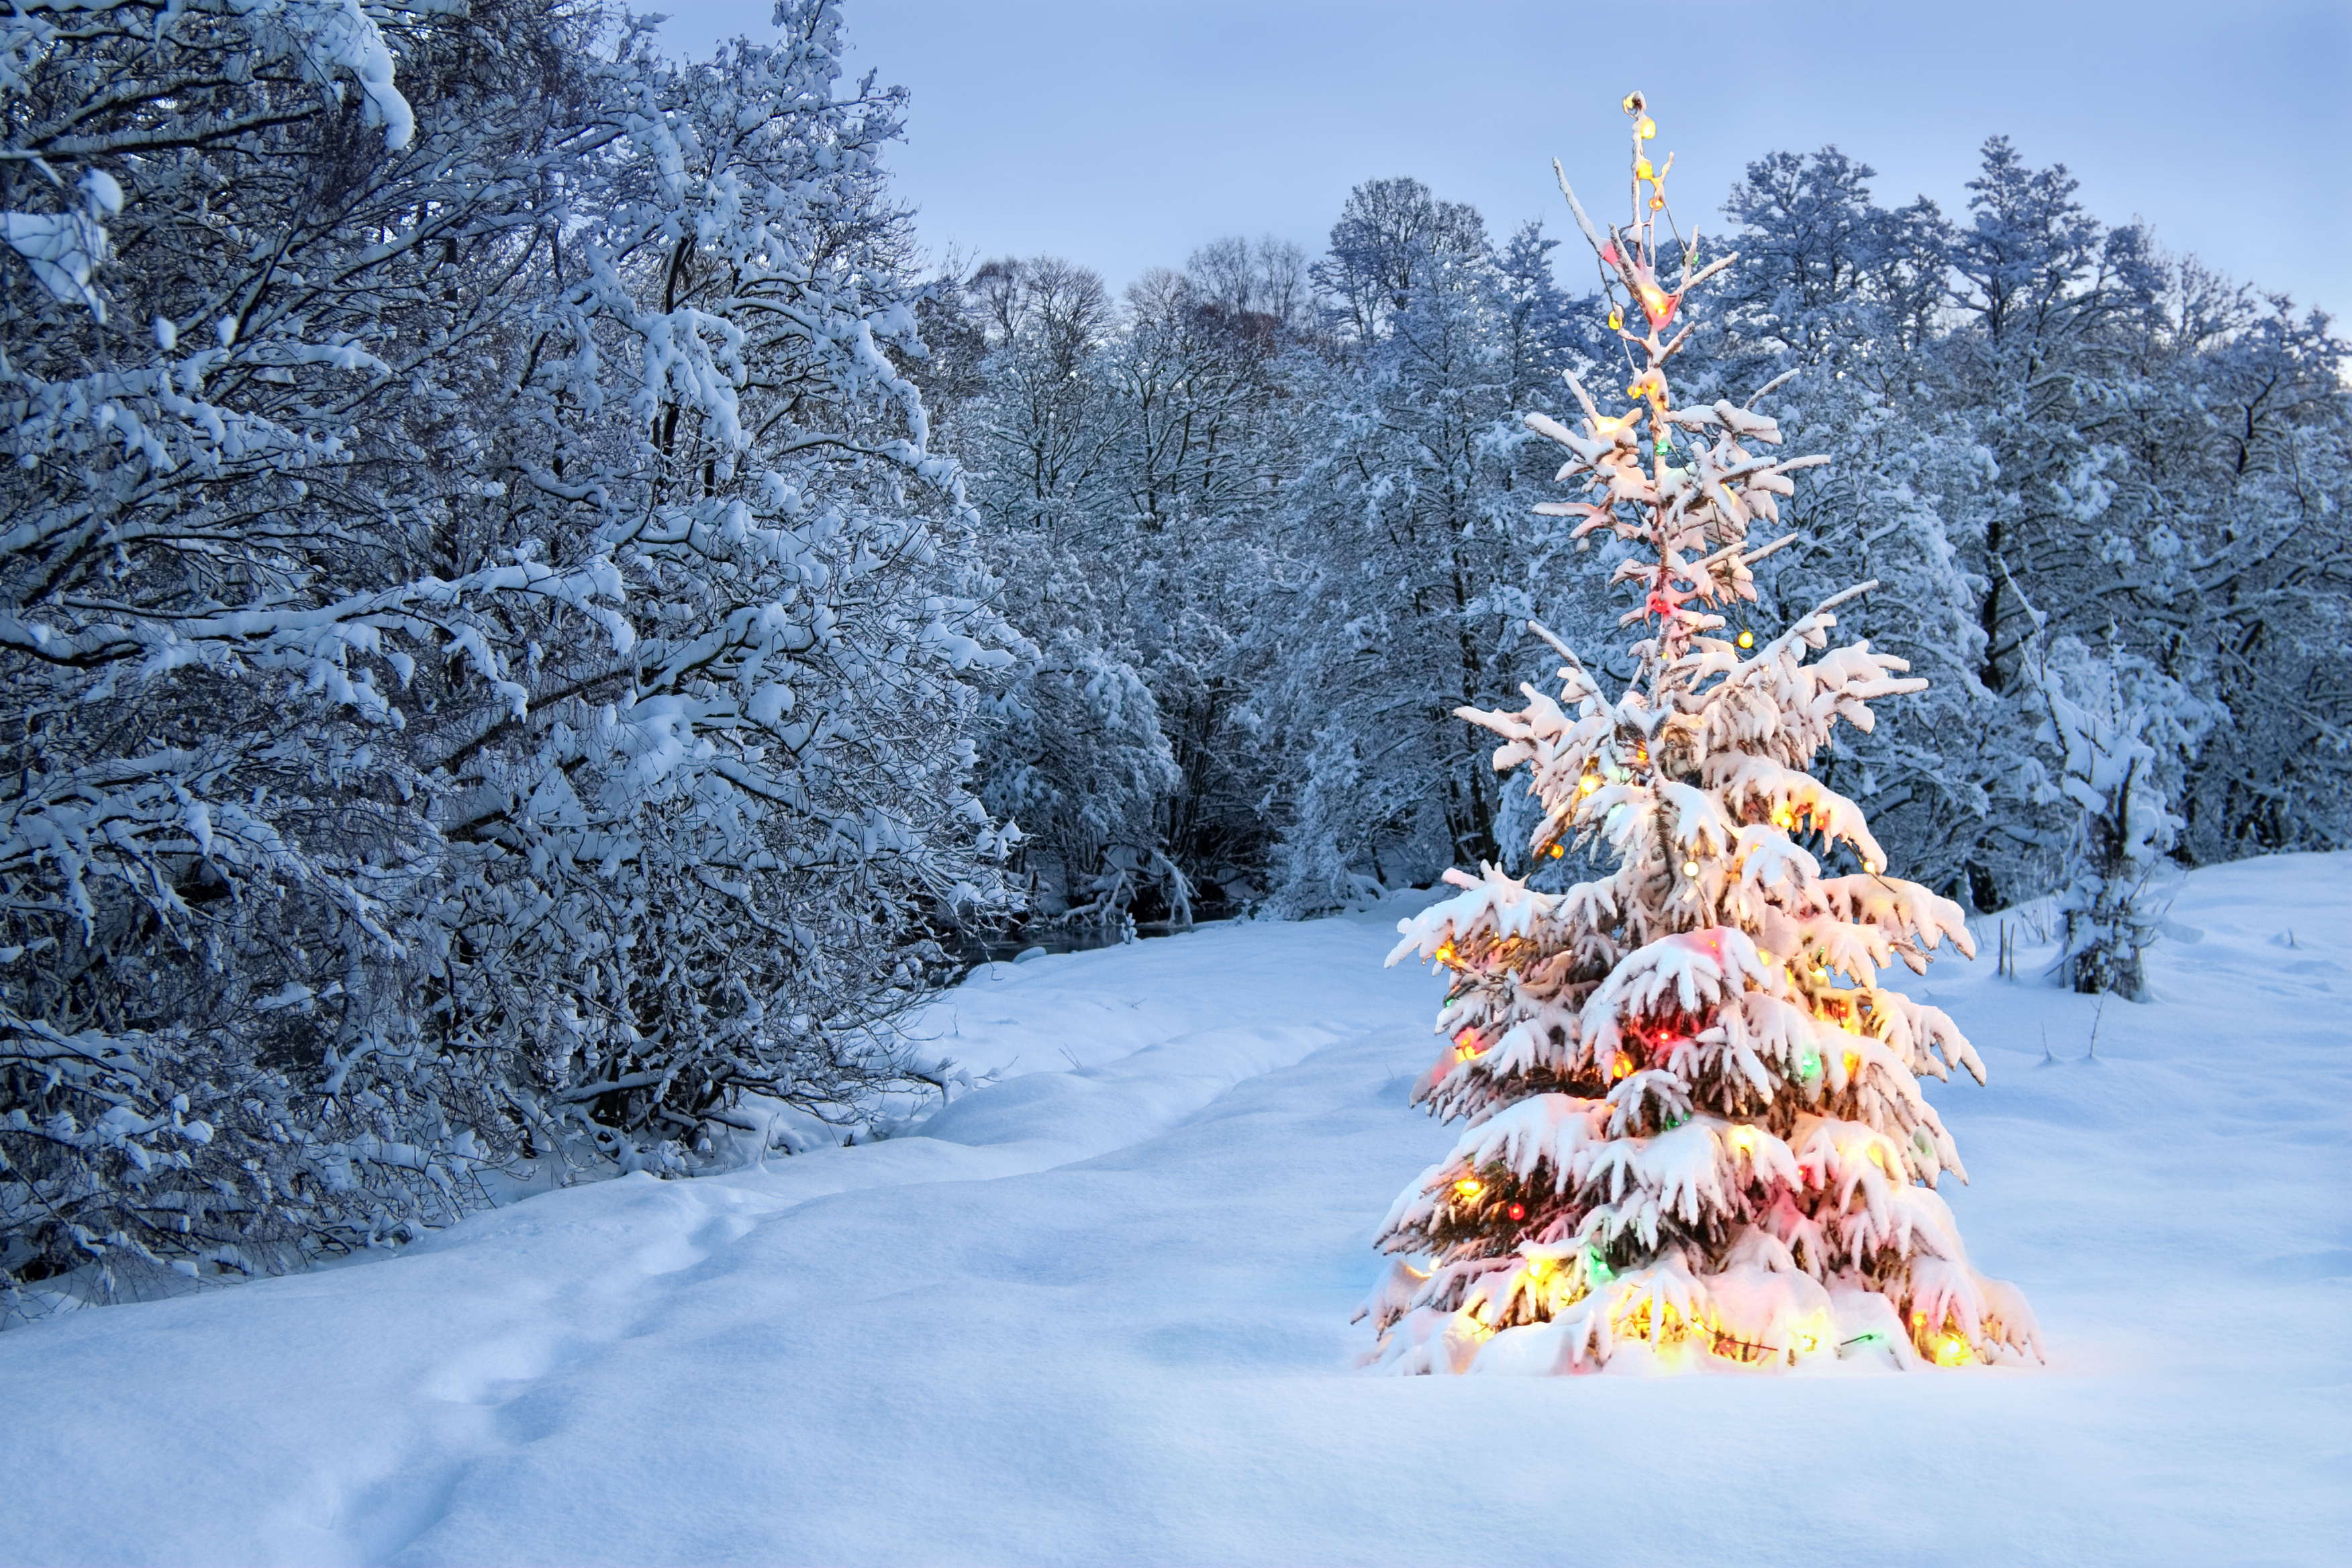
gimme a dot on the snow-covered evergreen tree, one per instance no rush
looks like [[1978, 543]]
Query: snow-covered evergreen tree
[[1695, 1126]]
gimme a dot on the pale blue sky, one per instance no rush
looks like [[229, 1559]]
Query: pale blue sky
[[1124, 132]]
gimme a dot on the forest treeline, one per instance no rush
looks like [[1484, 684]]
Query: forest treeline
[[1268, 520], [537, 623]]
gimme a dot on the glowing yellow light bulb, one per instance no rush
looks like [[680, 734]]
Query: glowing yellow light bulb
[[1648, 128], [1622, 1066], [1642, 171], [1852, 1062], [1871, 866], [1690, 868], [1951, 1350], [1616, 318], [1557, 851], [1746, 639], [1590, 782], [1469, 1186], [1657, 203]]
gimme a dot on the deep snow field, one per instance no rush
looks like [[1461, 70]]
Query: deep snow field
[[1097, 1312]]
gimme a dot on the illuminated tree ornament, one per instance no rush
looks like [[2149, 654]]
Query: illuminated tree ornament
[[1648, 128], [1747, 637], [1517, 1211], [1616, 319]]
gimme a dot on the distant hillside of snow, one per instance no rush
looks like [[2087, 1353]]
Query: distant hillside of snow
[[1098, 1311]]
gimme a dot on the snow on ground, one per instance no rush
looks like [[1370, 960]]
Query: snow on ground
[[1098, 1313]]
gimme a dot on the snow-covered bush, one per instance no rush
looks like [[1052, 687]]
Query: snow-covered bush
[[489, 654], [715, 859], [2124, 733], [213, 592], [1075, 758]]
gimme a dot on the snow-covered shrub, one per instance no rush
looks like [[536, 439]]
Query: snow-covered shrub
[[214, 581], [491, 656], [2123, 733], [715, 860], [1075, 758]]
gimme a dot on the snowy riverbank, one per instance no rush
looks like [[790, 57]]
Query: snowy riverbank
[[1098, 1313]]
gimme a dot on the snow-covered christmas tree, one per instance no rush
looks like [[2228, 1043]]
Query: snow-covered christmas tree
[[1696, 1131]]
